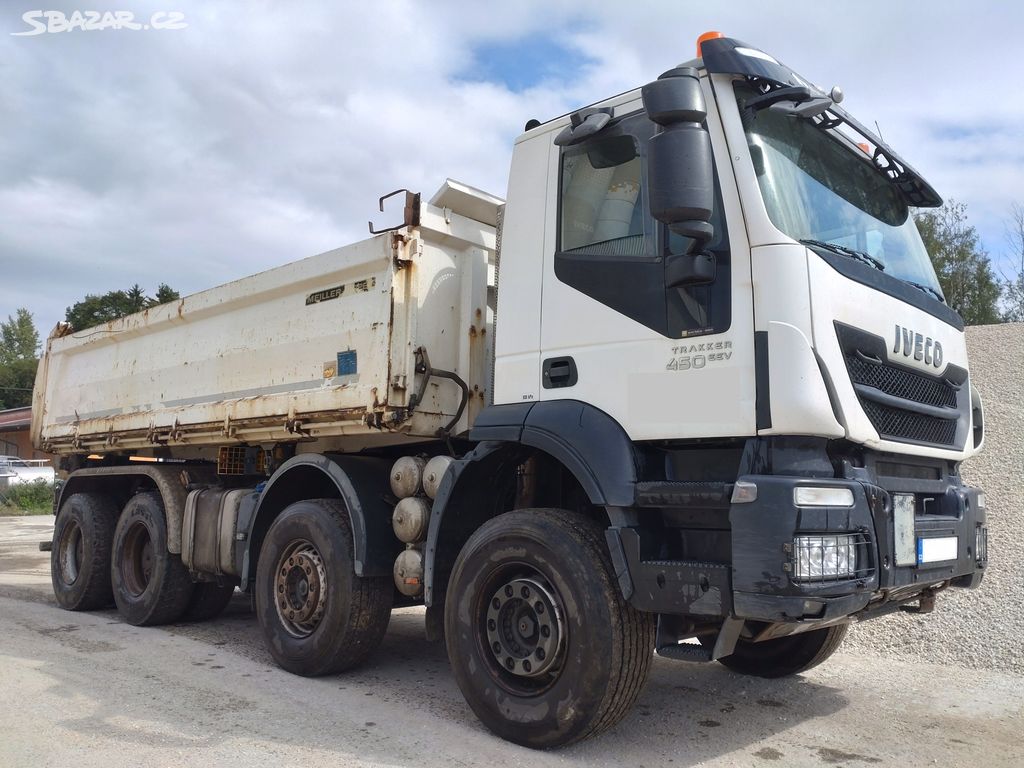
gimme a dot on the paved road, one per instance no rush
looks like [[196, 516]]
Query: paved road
[[89, 690]]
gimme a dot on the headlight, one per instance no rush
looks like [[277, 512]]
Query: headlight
[[827, 557], [810, 496]]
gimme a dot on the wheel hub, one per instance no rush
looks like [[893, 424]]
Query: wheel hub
[[70, 553], [137, 559], [524, 628], [300, 589]]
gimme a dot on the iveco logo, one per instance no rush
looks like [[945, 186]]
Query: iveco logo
[[919, 347]]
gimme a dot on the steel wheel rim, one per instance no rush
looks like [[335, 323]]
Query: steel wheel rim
[[137, 559], [71, 552], [523, 631], [300, 588]]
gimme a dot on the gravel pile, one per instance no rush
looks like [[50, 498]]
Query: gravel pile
[[982, 628]]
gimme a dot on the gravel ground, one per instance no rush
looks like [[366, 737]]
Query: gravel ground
[[87, 690], [983, 628]]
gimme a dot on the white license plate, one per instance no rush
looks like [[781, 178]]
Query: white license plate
[[937, 550]]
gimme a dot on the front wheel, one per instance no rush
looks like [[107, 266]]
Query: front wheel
[[543, 646], [318, 617], [785, 656]]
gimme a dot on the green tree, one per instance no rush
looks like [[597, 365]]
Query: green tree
[[164, 294], [97, 309], [16, 382], [135, 298], [963, 267], [19, 339], [1014, 285], [19, 343]]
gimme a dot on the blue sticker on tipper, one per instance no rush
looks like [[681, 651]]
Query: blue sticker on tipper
[[347, 363]]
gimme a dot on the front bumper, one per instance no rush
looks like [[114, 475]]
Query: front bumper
[[762, 580], [763, 560]]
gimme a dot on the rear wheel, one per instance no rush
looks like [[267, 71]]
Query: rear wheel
[[318, 617], [785, 656], [151, 585], [542, 644], [80, 554]]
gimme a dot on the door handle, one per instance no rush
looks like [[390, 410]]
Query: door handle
[[559, 372]]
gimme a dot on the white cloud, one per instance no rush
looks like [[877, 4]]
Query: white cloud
[[265, 132]]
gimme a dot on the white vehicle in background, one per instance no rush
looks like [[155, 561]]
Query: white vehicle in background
[[15, 470]]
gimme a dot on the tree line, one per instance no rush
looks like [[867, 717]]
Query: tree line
[[969, 282]]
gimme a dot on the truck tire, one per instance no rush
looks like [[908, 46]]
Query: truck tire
[[209, 600], [151, 585], [543, 646], [785, 656], [318, 617], [80, 553]]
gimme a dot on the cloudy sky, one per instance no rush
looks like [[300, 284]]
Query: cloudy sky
[[264, 132]]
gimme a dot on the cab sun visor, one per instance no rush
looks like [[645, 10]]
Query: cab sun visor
[[726, 55]]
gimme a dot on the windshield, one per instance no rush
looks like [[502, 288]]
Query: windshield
[[817, 187]]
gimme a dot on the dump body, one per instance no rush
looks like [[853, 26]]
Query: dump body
[[323, 349]]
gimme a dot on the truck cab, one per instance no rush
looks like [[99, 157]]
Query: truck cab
[[755, 308]]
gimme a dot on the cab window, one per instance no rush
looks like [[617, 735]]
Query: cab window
[[611, 249]]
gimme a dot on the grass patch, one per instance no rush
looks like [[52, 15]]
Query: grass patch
[[34, 498]]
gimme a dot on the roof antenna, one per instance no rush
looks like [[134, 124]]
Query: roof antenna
[[879, 129]]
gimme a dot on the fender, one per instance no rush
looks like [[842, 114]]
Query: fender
[[465, 487], [587, 441], [168, 480], [360, 482]]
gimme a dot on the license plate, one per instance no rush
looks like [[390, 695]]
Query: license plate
[[904, 545], [937, 550]]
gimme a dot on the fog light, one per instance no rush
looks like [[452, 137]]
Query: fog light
[[981, 543], [810, 496], [825, 558]]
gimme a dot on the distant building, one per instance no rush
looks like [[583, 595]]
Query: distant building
[[14, 437]]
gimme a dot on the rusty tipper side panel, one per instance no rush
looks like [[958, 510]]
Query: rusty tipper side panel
[[321, 350]]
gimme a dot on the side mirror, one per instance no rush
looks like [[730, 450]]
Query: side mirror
[[696, 269], [583, 124], [680, 172]]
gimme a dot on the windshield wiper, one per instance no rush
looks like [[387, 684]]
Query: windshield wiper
[[871, 260], [842, 250], [927, 289]]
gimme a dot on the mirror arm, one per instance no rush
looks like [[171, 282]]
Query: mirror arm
[[805, 103]]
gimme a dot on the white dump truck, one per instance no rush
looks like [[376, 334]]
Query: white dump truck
[[692, 389]]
